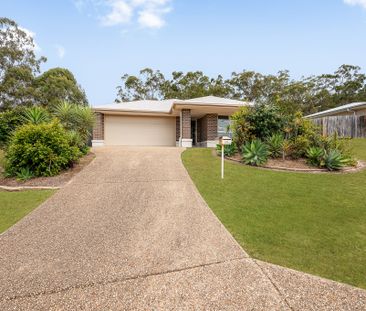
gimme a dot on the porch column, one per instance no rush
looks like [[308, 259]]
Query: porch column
[[212, 120], [208, 128], [98, 130], [185, 126]]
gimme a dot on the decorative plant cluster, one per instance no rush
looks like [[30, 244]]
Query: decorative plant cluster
[[42, 142], [261, 132]]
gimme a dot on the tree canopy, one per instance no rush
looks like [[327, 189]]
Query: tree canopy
[[308, 94], [19, 67]]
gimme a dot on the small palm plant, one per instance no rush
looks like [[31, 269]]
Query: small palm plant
[[35, 115], [274, 144], [255, 153]]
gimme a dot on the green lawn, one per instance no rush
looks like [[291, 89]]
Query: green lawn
[[15, 205], [310, 222]]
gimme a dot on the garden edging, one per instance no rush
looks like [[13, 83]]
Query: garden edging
[[360, 166]]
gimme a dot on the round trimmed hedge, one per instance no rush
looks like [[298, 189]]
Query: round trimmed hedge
[[43, 149]]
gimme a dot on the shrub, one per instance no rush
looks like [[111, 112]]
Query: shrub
[[265, 119], [240, 127], [255, 153], [300, 145], [274, 144], [229, 150], [43, 149], [9, 121], [35, 115], [259, 121]]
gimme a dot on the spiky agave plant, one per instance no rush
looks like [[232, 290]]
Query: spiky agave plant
[[35, 115], [255, 153], [274, 144], [315, 156], [334, 160]]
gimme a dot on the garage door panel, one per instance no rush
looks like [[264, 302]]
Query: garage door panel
[[139, 131]]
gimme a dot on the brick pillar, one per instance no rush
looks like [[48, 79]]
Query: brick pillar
[[98, 130], [177, 128], [186, 123], [211, 126]]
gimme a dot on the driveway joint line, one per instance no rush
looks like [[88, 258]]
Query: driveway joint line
[[273, 284], [118, 280]]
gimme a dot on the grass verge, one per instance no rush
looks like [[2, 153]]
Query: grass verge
[[15, 205]]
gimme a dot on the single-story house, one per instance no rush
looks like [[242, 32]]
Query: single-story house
[[172, 122], [347, 120]]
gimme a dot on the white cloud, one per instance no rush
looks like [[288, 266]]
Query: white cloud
[[121, 13], [361, 3], [150, 20], [147, 13], [60, 51]]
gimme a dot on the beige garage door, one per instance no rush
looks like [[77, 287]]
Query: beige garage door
[[139, 131]]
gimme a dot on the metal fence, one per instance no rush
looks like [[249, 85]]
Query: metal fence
[[345, 126]]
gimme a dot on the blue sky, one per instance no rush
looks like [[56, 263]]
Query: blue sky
[[100, 40]]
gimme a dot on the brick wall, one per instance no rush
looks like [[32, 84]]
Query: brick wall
[[186, 123], [98, 129]]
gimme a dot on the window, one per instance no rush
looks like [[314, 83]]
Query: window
[[223, 126]]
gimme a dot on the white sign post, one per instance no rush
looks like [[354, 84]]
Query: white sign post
[[224, 140]]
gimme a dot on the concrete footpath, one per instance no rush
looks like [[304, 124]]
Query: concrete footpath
[[131, 232]]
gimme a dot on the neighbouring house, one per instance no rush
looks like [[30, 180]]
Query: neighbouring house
[[172, 122], [347, 120]]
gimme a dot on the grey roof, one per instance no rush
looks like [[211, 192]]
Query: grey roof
[[344, 108], [166, 106]]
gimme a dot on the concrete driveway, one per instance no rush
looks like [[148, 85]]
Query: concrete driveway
[[131, 232]]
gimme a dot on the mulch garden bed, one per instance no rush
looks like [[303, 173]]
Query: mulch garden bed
[[53, 181], [297, 165]]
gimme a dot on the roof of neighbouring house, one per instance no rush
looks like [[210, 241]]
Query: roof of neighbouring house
[[348, 107], [166, 106]]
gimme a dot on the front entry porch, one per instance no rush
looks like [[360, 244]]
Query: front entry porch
[[199, 130]]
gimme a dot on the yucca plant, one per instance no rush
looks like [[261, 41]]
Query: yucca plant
[[274, 144], [35, 115], [315, 156], [76, 118], [84, 121], [255, 153], [64, 111]]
